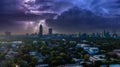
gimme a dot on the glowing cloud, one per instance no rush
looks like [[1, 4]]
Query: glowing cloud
[[99, 7]]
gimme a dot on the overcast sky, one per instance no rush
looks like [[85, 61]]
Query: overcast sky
[[25, 16]]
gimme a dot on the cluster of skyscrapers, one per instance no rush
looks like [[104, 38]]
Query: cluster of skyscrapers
[[104, 34], [50, 32]]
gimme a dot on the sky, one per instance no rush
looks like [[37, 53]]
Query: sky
[[64, 16]]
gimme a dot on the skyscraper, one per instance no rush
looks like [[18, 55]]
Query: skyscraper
[[40, 30], [50, 31], [8, 33]]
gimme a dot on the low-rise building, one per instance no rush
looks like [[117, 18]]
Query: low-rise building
[[97, 58], [117, 52], [33, 53], [93, 50], [42, 65], [11, 54], [73, 65]]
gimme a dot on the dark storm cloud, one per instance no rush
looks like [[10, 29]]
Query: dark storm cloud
[[93, 15], [53, 6], [14, 22], [9, 6], [90, 14], [58, 6], [99, 7], [13, 14], [79, 20]]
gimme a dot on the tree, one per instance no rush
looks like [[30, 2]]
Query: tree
[[27, 58], [21, 63], [35, 60], [86, 56]]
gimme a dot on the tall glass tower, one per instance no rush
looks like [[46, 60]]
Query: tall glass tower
[[40, 30], [50, 31]]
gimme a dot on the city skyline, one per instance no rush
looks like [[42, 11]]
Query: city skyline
[[63, 16], [50, 31]]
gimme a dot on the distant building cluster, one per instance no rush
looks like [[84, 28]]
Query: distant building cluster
[[40, 34], [8, 33], [50, 32], [104, 34]]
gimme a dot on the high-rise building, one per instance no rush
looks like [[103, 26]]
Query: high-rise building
[[106, 34], [8, 33], [50, 31], [40, 30]]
